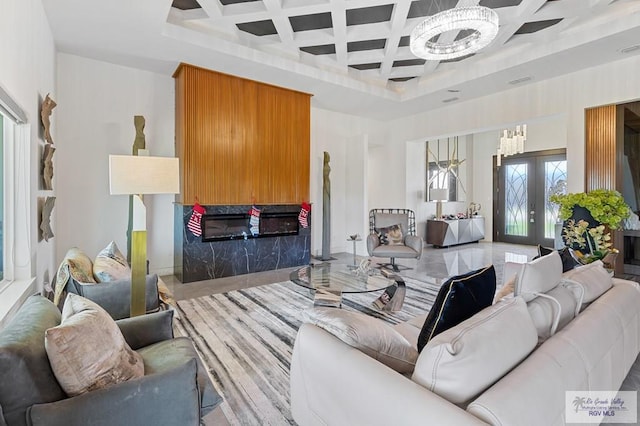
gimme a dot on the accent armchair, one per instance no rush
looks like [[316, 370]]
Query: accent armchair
[[175, 389], [393, 235]]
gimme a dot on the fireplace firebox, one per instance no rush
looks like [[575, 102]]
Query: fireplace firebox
[[233, 226]]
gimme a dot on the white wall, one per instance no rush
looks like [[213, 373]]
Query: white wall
[[344, 137], [96, 105], [27, 74]]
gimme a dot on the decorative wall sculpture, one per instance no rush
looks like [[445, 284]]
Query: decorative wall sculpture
[[45, 222], [47, 166], [45, 112]]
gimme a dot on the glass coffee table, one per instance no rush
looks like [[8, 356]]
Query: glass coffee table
[[329, 281]]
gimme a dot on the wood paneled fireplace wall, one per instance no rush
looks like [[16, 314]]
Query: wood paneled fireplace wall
[[240, 143]]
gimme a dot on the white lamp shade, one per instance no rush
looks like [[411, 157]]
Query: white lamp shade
[[130, 174], [439, 194]]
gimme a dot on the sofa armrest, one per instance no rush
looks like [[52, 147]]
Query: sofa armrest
[[115, 296], [168, 398], [415, 242], [145, 330], [333, 383], [373, 241]]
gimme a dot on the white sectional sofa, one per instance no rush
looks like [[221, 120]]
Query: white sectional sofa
[[494, 356]]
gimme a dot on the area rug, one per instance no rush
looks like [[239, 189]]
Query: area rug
[[245, 338]]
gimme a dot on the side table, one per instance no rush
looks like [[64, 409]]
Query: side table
[[355, 240]]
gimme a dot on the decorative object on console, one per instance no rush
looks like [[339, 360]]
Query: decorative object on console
[[46, 109], [482, 21], [511, 142], [439, 195], [458, 299], [195, 221], [47, 166], [45, 222], [138, 175]]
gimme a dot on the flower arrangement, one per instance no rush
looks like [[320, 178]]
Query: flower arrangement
[[591, 243], [594, 243]]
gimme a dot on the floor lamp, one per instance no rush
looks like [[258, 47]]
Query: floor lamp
[[139, 175]]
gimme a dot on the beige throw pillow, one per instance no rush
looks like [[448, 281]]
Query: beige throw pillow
[[367, 334], [87, 350], [111, 265]]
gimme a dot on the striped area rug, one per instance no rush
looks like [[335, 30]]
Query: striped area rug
[[245, 338]]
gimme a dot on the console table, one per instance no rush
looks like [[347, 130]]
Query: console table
[[444, 233]]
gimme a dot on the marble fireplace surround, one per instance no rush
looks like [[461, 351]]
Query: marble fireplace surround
[[196, 260]]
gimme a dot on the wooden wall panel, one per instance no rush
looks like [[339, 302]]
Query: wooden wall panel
[[604, 151], [243, 142], [603, 154]]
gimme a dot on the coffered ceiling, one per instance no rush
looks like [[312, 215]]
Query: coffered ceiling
[[352, 55]]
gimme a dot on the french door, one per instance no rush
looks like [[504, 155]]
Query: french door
[[523, 183]]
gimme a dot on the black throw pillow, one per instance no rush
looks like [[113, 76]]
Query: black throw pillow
[[568, 260], [459, 298]]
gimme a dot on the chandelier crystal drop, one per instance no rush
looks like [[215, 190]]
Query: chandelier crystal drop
[[482, 20]]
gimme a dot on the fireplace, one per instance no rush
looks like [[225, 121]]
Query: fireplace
[[221, 227], [227, 247]]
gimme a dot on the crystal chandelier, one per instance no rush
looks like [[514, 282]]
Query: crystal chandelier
[[512, 142], [482, 20]]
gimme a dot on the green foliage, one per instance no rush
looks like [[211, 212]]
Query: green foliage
[[606, 206]]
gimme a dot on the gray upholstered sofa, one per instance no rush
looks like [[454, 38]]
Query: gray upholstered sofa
[[175, 388], [489, 369]]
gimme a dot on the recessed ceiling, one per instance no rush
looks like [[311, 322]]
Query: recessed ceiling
[[376, 31], [352, 55]]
